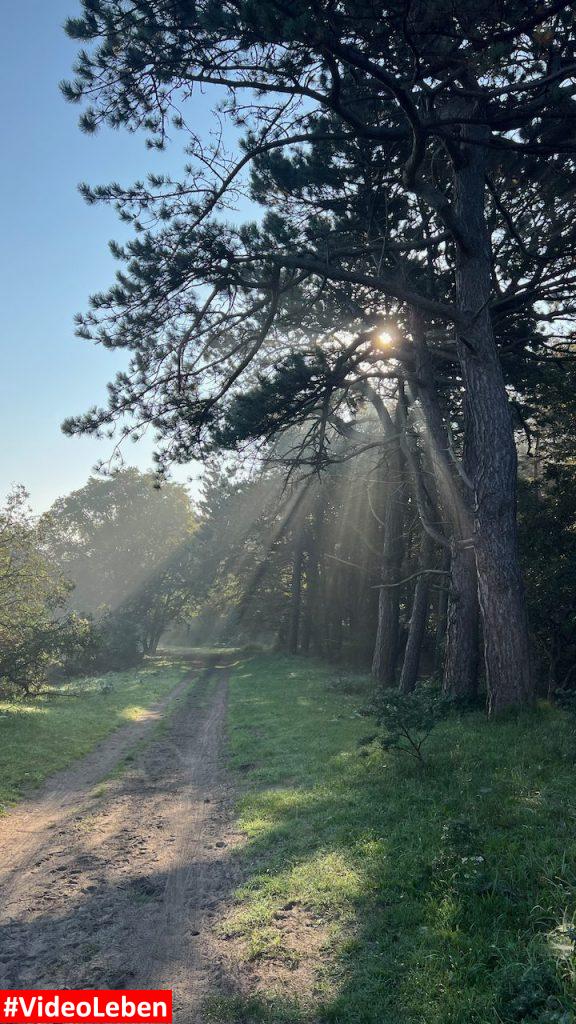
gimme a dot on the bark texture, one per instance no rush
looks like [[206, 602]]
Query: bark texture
[[387, 634], [462, 627], [500, 586], [441, 618], [310, 630], [459, 622], [418, 620]]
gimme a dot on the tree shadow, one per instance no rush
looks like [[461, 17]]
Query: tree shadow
[[427, 901]]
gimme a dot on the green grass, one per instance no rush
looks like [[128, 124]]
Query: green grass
[[210, 656], [39, 735], [445, 895]]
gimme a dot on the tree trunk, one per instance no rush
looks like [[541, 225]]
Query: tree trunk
[[152, 636], [310, 624], [418, 619], [500, 586], [335, 627], [441, 618], [460, 651], [311, 598], [320, 628], [295, 598], [387, 633], [461, 654]]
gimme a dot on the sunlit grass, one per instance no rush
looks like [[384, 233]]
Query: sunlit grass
[[39, 735], [447, 894]]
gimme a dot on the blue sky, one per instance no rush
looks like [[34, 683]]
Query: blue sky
[[53, 254]]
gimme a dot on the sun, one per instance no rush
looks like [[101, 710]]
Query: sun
[[386, 336]]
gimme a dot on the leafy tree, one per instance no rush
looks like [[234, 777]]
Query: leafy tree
[[111, 535], [47, 648], [34, 635], [124, 543], [170, 594]]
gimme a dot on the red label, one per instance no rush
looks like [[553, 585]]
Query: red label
[[85, 1006]]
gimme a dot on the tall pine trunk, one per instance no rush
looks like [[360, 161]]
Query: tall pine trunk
[[500, 586], [387, 633], [418, 619], [441, 617], [310, 626], [296, 597], [312, 580], [461, 651], [460, 608]]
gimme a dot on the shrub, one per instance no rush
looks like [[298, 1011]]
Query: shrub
[[408, 719], [535, 997], [121, 644], [41, 650]]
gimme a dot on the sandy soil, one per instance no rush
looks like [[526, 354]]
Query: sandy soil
[[118, 884]]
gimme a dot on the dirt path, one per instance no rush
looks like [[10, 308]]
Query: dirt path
[[118, 885]]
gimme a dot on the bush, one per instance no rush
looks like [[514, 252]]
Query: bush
[[42, 650], [60, 649], [535, 998], [408, 719], [112, 643], [120, 642]]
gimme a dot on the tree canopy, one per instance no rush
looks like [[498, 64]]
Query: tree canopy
[[397, 260]]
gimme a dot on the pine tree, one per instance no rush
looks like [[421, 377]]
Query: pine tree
[[414, 157]]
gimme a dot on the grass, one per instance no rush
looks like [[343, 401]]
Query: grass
[[39, 735], [445, 895], [213, 656]]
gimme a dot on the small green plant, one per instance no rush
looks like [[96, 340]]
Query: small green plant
[[408, 719], [535, 997]]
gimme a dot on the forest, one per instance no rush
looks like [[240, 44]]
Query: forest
[[353, 309]]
